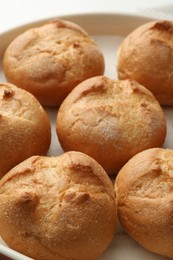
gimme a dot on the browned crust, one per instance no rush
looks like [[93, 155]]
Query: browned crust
[[63, 208], [24, 127], [110, 121], [144, 189], [49, 61], [146, 55]]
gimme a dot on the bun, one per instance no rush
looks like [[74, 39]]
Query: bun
[[144, 188], [24, 127], [58, 208], [49, 61], [146, 56], [111, 121]]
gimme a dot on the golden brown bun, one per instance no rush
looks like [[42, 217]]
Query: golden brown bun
[[58, 208], [144, 189], [146, 55], [24, 127], [49, 61], [110, 120]]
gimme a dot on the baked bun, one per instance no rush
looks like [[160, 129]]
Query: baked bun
[[24, 127], [110, 120], [146, 55], [58, 208], [144, 189], [49, 61]]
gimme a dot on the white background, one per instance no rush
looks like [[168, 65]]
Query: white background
[[17, 12]]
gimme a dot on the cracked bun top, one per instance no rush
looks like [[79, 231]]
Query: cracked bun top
[[62, 208], [24, 127], [146, 55], [144, 188], [110, 120], [49, 61]]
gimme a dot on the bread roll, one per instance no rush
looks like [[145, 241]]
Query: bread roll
[[111, 121], [50, 60], [146, 55], [24, 127], [58, 208], [144, 188]]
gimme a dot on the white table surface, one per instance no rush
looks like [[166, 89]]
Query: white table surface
[[17, 12]]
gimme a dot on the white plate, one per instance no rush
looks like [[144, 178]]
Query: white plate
[[108, 31]]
